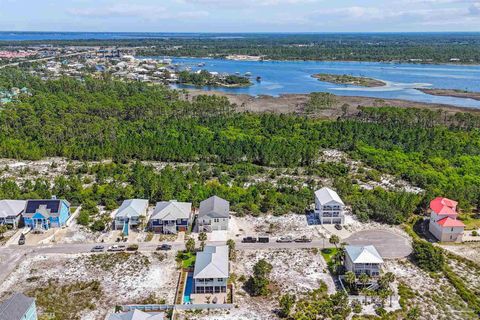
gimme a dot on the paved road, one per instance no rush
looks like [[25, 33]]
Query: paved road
[[11, 256], [14, 64], [390, 245]]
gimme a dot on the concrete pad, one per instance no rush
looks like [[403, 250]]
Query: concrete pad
[[388, 244], [218, 235], [342, 234]]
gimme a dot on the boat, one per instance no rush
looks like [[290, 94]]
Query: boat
[[201, 64], [248, 74], [259, 79]]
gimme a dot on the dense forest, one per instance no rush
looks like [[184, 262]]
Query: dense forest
[[429, 47], [205, 78], [99, 119]]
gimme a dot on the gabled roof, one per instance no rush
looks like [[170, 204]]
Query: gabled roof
[[449, 222], [48, 207], [214, 207], [327, 195], [172, 210], [444, 206], [363, 254], [212, 262], [136, 315], [132, 208], [10, 208], [15, 307]]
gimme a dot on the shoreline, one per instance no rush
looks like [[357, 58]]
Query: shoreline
[[349, 80], [451, 93], [295, 103]]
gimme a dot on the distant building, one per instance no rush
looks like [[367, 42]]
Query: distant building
[[136, 315], [211, 273], [363, 259], [129, 213], [213, 214], [443, 220], [18, 307], [329, 208], [11, 211], [45, 214], [171, 217]]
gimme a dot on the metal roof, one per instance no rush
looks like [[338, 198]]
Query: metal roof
[[327, 195], [10, 208], [136, 315], [15, 307], [212, 262], [172, 210], [132, 208], [214, 207], [363, 254]]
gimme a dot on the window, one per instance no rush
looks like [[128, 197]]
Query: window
[[220, 279]]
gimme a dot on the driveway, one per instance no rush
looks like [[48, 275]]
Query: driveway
[[388, 244]]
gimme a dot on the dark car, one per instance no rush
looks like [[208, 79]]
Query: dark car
[[338, 227], [21, 240], [132, 247], [164, 247], [98, 249], [263, 239], [303, 239], [249, 240]]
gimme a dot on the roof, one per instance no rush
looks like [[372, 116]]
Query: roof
[[11, 207], [212, 262], [363, 254], [214, 207], [136, 315], [132, 208], [327, 195], [48, 207], [444, 206], [15, 307], [449, 222], [172, 210]]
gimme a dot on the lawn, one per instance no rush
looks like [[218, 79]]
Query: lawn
[[329, 253], [187, 259], [471, 222]]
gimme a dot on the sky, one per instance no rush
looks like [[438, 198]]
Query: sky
[[240, 15]]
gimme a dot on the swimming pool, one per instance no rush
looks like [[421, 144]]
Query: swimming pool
[[188, 289]]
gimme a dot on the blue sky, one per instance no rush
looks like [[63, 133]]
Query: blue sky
[[240, 15]]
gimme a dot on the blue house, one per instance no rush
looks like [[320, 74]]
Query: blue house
[[46, 214], [18, 307]]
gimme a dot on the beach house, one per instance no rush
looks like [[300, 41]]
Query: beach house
[[171, 217], [11, 211], [363, 259], [44, 214], [329, 208], [18, 307], [130, 214], [444, 224], [213, 214]]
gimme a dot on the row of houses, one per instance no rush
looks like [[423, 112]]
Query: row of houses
[[38, 214], [171, 217]]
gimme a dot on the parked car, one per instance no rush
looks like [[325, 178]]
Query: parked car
[[21, 240], [338, 227], [263, 239], [132, 247], [164, 247], [98, 249], [249, 240], [116, 248], [303, 239], [285, 239]]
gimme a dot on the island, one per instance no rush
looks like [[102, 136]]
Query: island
[[451, 93], [204, 78], [349, 80]]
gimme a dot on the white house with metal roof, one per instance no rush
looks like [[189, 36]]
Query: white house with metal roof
[[211, 272], [136, 315], [171, 217], [213, 214], [129, 213], [11, 211], [363, 259], [329, 208], [18, 307]]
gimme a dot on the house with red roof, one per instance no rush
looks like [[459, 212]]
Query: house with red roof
[[444, 224]]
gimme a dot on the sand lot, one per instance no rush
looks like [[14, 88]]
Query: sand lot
[[130, 279]]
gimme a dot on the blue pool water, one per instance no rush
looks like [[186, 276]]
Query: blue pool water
[[283, 77], [188, 289]]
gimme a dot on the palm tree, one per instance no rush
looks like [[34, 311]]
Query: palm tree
[[350, 278], [202, 237], [335, 240], [385, 282], [364, 278]]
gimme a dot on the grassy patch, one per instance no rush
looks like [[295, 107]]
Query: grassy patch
[[186, 259], [69, 301], [329, 253], [133, 262], [470, 220]]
